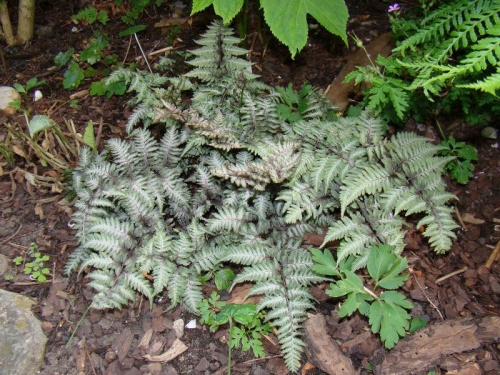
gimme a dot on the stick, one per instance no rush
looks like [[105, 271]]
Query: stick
[[428, 299], [128, 49], [493, 256], [451, 274], [143, 54], [13, 236], [460, 218]]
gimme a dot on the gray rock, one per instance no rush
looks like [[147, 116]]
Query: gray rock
[[202, 365], [22, 342], [4, 265], [8, 95]]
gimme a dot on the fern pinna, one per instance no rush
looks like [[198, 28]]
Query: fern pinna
[[467, 30], [230, 181]]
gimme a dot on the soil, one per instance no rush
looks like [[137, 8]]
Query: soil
[[106, 342]]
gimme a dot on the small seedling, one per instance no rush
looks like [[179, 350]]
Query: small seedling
[[461, 169], [245, 324], [417, 324], [32, 83], [36, 268], [295, 103]]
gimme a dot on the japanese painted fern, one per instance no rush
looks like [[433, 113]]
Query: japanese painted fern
[[230, 181]]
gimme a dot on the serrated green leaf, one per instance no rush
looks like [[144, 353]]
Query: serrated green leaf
[[132, 30], [380, 260], [199, 5], [73, 77], [351, 284], [389, 317], [223, 278], [325, 264], [417, 324], [288, 20], [227, 9]]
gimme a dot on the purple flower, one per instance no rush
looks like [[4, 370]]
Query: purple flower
[[391, 216], [394, 8]]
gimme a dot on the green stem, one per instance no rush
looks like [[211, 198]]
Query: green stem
[[229, 354], [78, 325], [441, 131]]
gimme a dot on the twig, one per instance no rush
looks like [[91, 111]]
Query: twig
[[143, 54], [451, 274], [428, 299], [99, 134], [493, 256], [128, 49], [13, 236], [15, 245], [90, 359], [459, 217]]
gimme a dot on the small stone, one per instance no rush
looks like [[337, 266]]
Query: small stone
[[8, 95], [4, 265], [110, 356], [202, 365], [169, 370], [155, 368], [260, 371], [489, 132], [495, 286], [179, 328], [133, 371], [277, 366], [47, 326], [22, 342]]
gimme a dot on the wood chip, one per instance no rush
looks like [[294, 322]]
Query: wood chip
[[144, 343], [177, 348]]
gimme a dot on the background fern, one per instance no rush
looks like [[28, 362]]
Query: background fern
[[230, 181]]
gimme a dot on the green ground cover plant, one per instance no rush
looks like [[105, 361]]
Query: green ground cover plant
[[447, 58], [224, 179]]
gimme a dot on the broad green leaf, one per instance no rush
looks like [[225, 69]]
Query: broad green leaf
[[19, 88], [88, 136], [417, 324], [223, 278], [351, 284], [227, 9], [39, 123], [73, 77], [392, 279], [132, 30], [199, 5], [324, 263], [288, 19], [349, 306], [62, 58], [380, 260], [389, 317]]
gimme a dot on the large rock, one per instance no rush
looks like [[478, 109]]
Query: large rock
[[8, 95], [4, 265], [22, 342]]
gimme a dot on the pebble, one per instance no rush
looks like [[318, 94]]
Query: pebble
[[178, 326], [202, 365]]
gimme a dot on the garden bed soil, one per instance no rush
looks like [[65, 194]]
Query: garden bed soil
[[108, 342]]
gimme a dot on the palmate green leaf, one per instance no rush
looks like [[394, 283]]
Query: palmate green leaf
[[385, 267], [227, 9], [388, 316], [288, 19], [324, 263], [351, 284]]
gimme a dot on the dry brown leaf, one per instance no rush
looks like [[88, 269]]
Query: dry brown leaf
[[239, 293], [469, 218], [307, 367], [177, 348]]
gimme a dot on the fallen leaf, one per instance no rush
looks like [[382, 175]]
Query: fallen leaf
[[239, 293], [469, 218], [307, 367]]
